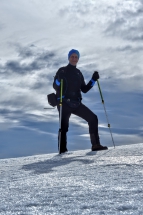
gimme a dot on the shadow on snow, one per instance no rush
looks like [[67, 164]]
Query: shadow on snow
[[48, 165]]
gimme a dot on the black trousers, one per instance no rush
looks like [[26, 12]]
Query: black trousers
[[81, 111]]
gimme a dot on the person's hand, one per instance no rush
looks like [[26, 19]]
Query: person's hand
[[95, 76]]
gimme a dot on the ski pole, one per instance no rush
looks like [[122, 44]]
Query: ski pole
[[48, 108], [105, 111], [60, 120]]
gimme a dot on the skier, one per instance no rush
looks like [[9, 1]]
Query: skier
[[73, 84]]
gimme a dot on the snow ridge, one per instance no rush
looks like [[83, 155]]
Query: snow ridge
[[80, 182]]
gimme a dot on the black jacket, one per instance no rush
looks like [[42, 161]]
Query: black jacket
[[73, 82]]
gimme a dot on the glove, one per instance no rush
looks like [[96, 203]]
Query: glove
[[95, 76]]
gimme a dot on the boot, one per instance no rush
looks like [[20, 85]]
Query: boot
[[63, 144], [96, 146]]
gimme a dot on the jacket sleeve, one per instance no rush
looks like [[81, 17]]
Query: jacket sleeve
[[86, 87], [56, 83]]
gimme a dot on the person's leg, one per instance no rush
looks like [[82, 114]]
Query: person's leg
[[63, 142], [86, 114], [66, 112]]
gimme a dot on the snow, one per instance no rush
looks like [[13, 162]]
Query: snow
[[80, 182]]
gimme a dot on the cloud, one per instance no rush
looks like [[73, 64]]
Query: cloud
[[25, 52], [20, 68], [35, 60], [2, 26], [128, 48], [26, 81], [126, 21], [33, 51]]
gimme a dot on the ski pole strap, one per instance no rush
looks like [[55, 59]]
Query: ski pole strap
[[100, 91], [61, 94]]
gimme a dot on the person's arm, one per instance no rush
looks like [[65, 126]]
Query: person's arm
[[86, 87], [56, 83]]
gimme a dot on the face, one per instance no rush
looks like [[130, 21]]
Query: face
[[73, 59]]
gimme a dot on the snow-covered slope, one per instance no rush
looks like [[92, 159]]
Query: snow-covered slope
[[81, 182]]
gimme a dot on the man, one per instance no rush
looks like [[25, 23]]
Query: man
[[73, 85]]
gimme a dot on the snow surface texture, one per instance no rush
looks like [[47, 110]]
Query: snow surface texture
[[80, 182]]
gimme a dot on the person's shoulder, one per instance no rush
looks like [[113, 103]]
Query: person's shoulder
[[78, 71], [62, 68]]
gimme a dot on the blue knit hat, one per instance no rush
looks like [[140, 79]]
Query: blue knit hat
[[73, 51]]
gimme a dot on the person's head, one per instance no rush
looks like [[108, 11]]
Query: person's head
[[73, 56]]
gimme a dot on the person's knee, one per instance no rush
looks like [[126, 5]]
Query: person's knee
[[93, 120]]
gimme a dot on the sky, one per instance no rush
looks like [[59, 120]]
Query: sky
[[35, 38]]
